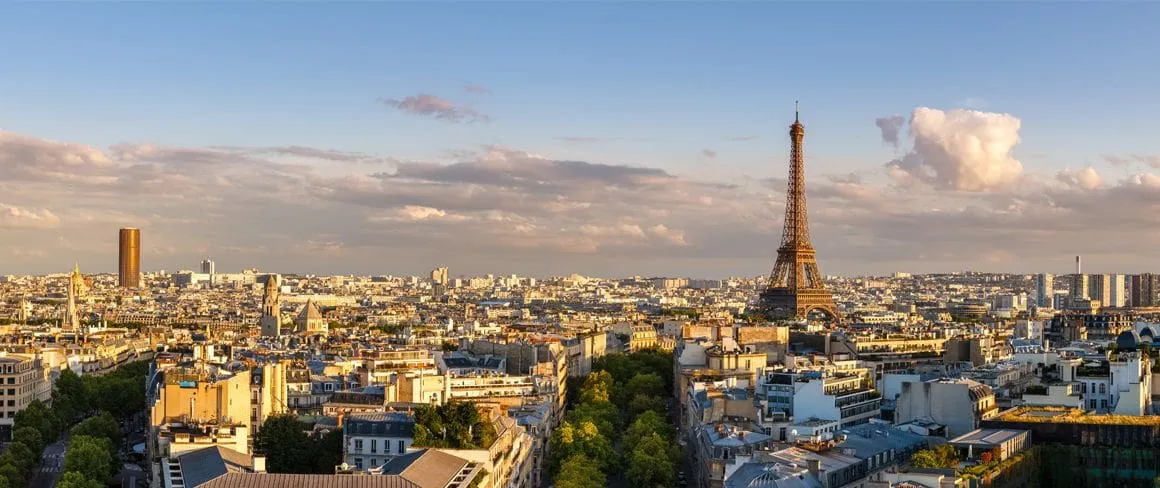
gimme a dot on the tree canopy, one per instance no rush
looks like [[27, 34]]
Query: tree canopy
[[580, 472], [623, 388], [452, 425]]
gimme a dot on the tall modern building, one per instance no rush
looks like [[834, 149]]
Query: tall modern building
[[1045, 290], [207, 267], [1119, 290], [1100, 288], [129, 269], [1144, 288]]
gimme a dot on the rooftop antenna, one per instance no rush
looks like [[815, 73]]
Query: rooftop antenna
[[795, 111]]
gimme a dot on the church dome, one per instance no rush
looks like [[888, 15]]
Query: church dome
[[1127, 341], [1146, 334]]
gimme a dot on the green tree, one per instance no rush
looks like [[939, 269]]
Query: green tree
[[454, 425], [652, 462], [646, 384], [30, 437], [580, 472], [90, 456], [584, 438], [645, 403], [70, 397], [646, 424], [286, 445], [597, 386], [37, 416], [73, 479], [327, 451], [22, 456], [604, 414], [102, 426], [942, 457], [11, 474]]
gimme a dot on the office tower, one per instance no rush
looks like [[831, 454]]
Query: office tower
[[207, 267], [1100, 288], [1144, 288], [795, 286], [1045, 290], [439, 276], [1118, 296], [129, 269]]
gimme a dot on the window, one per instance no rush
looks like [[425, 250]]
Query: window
[[358, 445], [1092, 404], [402, 448], [11, 403], [1103, 404], [12, 380], [1103, 388], [12, 391], [357, 463], [1085, 387], [374, 446]]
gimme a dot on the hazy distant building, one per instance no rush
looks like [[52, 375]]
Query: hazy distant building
[[207, 267], [1118, 294], [271, 321], [310, 321], [129, 263], [1100, 288], [1045, 290], [76, 284], [1079, 287], [1144, 288]]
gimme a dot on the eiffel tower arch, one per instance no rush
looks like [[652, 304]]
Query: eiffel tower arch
[[795, 287]]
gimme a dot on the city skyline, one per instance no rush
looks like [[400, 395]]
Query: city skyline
[[665, 157]]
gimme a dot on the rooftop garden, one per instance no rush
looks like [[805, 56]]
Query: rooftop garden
[[1062, 415]]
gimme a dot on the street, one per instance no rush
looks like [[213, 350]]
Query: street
[[51, 465]]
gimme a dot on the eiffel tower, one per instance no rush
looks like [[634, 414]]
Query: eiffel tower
[[795, 287]]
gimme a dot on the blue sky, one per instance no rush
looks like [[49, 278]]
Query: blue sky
[[667, 79], [685, 75]]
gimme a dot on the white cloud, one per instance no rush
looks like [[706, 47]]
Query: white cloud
[[961, 149], [13, 217]]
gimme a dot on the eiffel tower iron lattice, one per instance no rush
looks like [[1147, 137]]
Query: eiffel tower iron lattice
[[795, 287]]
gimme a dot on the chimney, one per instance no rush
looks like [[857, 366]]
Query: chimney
[[815, 466], [1077, 266]]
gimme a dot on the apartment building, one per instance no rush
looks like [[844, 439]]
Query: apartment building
[[23, 379], [370, 440], [959, 404]]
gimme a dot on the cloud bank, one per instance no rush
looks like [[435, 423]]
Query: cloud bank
[[956, 198]]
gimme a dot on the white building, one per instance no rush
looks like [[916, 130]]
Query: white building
[[369, 440]]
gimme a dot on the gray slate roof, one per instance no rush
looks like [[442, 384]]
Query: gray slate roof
[[254, 480]]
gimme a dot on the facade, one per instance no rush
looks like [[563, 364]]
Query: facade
[[1144, 290], [370, 440], [846, 398], [1045, 290], [129, 262], [957, 404], [310, 321], [23, 379]]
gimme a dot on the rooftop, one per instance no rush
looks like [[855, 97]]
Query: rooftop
[[1063, 415]]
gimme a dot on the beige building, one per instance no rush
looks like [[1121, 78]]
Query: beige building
[[24, 379], [194, 395]]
